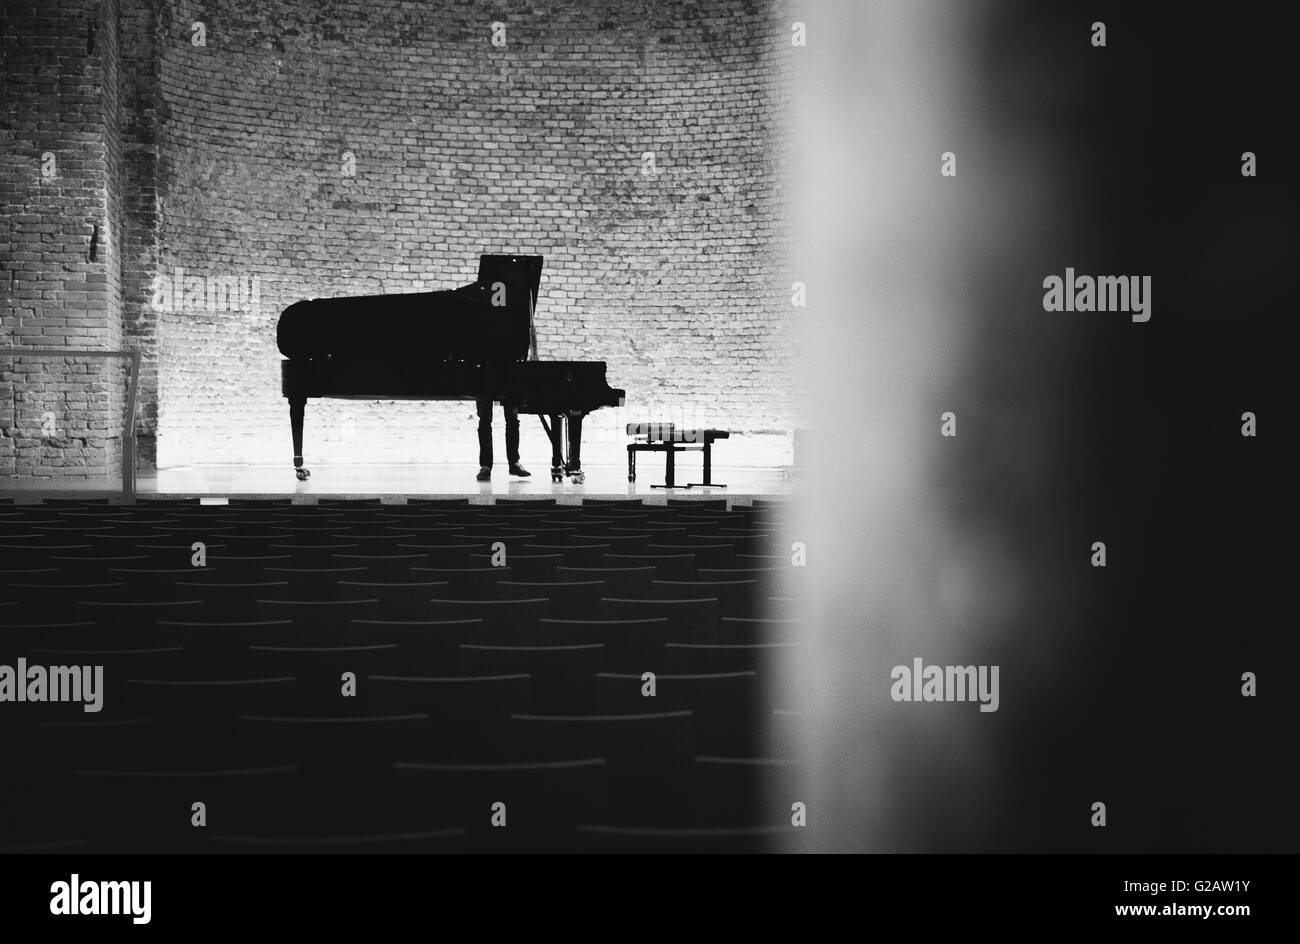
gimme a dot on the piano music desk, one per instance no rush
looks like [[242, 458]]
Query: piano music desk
[[668, 439]]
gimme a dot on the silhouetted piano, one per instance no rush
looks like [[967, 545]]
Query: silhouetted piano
[[467, 343]]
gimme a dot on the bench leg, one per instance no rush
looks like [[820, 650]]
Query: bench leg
[[708, 470]]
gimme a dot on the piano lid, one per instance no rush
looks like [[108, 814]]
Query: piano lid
[[461, 323]]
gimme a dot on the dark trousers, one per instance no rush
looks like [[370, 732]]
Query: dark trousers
[[485, 433]]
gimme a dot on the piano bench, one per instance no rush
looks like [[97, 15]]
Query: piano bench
[[668, 439]]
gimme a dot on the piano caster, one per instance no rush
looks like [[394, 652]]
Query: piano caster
[[303, 474], [631, 478], [557, 474], [577, 478]]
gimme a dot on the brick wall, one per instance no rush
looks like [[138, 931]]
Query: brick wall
[[230, 156], [61, 193]]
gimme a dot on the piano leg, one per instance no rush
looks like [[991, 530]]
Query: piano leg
[[297, 408], [574, 466], [555, 431]]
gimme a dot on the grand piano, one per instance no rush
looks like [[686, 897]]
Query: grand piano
[[473, 342]]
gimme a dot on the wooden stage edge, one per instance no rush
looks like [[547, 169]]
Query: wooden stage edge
[[395, 484]]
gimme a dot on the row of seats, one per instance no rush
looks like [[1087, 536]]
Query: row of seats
[[522, 802], [364, 676]]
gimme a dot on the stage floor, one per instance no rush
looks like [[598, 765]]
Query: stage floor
[[399, 482]]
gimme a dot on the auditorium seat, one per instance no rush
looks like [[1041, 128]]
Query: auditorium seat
[[318, 621], [467, 583], [383, 543], [16, 636], [407, 600], [448, 697], [369, 524], [219, 647], [250, 543], [563, 676], [688, 516], [568, 599], [523, 566], [53, 749], [312, 555], [723, 705], [235, 600], [620, 543], [692, 620], [212, 530], [152, 809], [620, 582], [648, 755], [196, 710], [666, 566], [34, 574], [539, 530], [588, 527], [655, 532], [319, 671], [735, 597], [400, 517], [430, 647], [59, 600], [468, 716], [92, 567], [236, 566], [571, 555], [130, 612], [704, 554], [118, 541], [631, 645], [505, 622], [15, 553], [540, 807], [161, 583], [486, 537], [384, 567], [340, 748]]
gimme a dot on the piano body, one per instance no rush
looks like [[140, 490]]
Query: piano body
[[467, 343]]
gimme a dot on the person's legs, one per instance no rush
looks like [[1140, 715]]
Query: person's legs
[[512, 433], [484, 433], [575, 442]]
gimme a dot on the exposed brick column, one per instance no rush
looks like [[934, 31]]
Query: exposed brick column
[[61, 188]]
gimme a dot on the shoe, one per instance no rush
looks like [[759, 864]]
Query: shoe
[[484, 474], [519, 470]]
